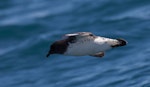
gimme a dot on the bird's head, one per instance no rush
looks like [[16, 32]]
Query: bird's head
[[58, 47]]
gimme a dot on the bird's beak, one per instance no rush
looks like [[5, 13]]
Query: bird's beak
[[48, 55]]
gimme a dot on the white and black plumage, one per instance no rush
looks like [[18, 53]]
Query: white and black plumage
[[84, 43]]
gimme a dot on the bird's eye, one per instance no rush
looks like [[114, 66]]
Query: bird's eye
[[91, 35], [72, 39]]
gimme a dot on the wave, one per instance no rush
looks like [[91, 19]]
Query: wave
[[14, 47], [137, 13], [20, 15]]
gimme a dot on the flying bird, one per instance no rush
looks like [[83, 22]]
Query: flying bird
[[83, 44]]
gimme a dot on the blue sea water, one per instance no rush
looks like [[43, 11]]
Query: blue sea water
[[28, 27]]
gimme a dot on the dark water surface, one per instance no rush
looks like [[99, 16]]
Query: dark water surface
[[28, 27]]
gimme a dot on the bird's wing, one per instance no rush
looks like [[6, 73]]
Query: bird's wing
[[72, 38], [74, 34], [78, 36]]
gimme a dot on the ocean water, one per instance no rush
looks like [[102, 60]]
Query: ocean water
[[28, 27]]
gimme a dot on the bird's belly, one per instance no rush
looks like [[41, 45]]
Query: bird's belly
[[84, 49]]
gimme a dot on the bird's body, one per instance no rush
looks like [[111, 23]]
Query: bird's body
[[87, 47], [84, 43]]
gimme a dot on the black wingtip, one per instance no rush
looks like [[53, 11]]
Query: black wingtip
[[122, 42]]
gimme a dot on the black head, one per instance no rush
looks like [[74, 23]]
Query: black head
[[58, 47]]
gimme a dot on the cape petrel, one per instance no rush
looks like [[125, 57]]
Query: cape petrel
[[84, 43]]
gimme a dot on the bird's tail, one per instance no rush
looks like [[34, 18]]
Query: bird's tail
[[119, 42]]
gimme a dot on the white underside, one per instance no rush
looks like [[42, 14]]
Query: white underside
[[89, 46]]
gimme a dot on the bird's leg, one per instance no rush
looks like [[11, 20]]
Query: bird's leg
[[100, 54]]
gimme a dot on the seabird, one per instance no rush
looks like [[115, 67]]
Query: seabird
[[84, 43]]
